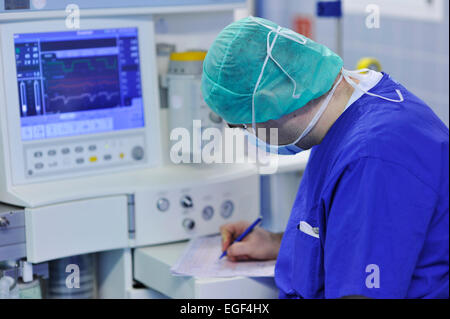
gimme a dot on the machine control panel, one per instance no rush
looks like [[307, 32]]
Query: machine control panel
[[180, 213], [186, 203], [51, 158]]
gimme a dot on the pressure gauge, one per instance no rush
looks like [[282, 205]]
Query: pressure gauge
[[208, 212], [163, 204], [226, 209]]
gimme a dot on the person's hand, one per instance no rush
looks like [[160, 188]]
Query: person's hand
[[260, 244]]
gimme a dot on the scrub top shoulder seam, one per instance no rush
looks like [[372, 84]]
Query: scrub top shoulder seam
[[369, 157]]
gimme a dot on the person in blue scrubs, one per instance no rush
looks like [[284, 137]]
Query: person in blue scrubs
[[371, 217]]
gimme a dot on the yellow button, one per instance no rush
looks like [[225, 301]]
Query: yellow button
[[93, 159], [122, 155]]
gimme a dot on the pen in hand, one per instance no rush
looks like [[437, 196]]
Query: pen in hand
[[243, 235]]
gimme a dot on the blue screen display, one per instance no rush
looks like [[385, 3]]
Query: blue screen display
[[78, 82]]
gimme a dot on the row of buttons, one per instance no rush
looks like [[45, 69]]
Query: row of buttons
[[65, 151], [79, 161], [137, 154], [81, 155], [67, 128]]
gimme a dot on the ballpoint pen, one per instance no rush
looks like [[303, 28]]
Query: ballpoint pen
[[244, 234]]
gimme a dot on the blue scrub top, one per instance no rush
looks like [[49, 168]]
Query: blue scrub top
[[371, 213]]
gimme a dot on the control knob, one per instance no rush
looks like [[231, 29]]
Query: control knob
[[188, 224], [186, 202]]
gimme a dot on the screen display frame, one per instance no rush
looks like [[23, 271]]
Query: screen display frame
[[107, 119], [12, 138]]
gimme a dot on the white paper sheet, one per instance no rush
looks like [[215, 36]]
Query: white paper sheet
[[201, 259]]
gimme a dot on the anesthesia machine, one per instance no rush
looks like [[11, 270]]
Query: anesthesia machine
[[87, 94]]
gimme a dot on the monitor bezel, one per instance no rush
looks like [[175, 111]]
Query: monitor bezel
[[148, 69]]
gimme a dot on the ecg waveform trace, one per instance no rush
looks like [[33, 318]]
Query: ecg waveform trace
[[77, 84], [91, 97]]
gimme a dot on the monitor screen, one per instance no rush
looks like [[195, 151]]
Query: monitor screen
[[78, 82]]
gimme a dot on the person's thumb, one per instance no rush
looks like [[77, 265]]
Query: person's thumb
[[239, 249]]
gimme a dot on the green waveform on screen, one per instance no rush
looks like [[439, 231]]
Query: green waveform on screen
[[71, 68]]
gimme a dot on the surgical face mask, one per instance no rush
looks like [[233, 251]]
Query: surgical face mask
[[292, 148]]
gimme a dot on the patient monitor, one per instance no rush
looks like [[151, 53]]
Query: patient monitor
[[73, 100]]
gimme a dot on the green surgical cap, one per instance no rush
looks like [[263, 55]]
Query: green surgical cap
[[234, 63]]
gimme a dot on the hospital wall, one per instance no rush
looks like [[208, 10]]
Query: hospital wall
[[414, 52]]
